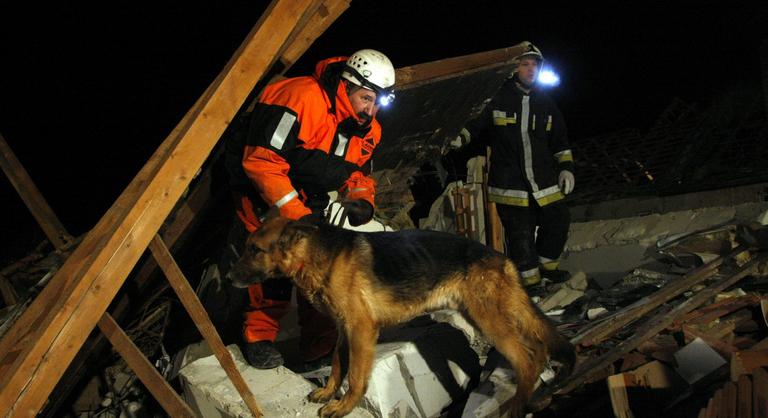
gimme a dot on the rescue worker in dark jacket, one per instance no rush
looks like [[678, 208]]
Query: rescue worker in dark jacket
[[305, 137], [531, 168]]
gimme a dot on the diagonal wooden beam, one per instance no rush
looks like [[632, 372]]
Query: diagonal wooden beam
[[32, 197], [326, 14], [147, 373], [37, 349], [203, 323]]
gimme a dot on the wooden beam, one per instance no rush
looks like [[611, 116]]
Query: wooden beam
[[40, 345], [32, 197], [654, 326], [416, 75], [326, 14], [149, 376], [189, 299]]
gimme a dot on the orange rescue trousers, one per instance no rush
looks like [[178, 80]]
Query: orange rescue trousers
[[262, 320]]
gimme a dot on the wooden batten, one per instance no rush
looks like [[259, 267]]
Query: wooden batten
[[32, 197], [200, 317], [40, 345], [417, 75], [164, 394]]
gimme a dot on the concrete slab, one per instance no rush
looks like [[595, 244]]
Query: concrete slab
[[279, 391], [608, 249], [419, 371]]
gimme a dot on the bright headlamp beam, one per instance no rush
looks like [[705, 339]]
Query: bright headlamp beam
[[549, 78], [386, 99]]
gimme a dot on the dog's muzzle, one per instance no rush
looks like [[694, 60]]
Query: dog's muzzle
[[242, 278]]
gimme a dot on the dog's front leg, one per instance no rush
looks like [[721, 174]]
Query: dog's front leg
[[334, 380], [361, 337]]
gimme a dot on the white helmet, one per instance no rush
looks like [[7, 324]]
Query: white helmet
[[531, 51], [371, 69]]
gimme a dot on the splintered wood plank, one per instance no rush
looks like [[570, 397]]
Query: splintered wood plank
[[32, 197], [760, 393], [653, 327], [202, 321], [718, 309], [146, 372], [745, 397], [41, 344], [617, 389], [597, 333]]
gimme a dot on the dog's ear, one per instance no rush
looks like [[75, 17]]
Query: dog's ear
[[294, 232]]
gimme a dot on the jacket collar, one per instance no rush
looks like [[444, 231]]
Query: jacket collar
[[328, 75]]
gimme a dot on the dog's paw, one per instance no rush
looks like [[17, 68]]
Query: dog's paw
[[333, 409], [320, 395]]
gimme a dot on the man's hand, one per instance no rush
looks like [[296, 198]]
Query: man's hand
[[357, 211], [461, 140], [566, 181]]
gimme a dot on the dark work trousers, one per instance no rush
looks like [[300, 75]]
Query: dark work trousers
[[524, 244]]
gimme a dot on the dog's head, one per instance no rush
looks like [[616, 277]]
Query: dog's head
[[275, 250]]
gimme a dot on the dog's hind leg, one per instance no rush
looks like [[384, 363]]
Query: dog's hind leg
[[509, 321], [362, 334], [334, 380]]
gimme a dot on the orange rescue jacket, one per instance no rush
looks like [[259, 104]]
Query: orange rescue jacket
[[304, 140]]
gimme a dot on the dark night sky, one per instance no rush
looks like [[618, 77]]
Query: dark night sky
[[88, 92]]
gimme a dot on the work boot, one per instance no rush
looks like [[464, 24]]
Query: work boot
[[263, 355]]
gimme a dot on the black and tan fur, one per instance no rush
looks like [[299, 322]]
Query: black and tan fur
[[371, 280]]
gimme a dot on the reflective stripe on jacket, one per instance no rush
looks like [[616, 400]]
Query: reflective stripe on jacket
[[303, 140], [529, 146]]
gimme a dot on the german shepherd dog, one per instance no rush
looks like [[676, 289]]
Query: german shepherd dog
[[370, 280]]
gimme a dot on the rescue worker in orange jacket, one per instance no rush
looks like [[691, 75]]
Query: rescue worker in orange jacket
[[305, 137]]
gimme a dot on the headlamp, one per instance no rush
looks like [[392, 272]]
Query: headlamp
[[548, 77], [385, 98]]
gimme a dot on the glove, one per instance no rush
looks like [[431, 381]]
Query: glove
[[462, 139], [566, 181], [357, 211]]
